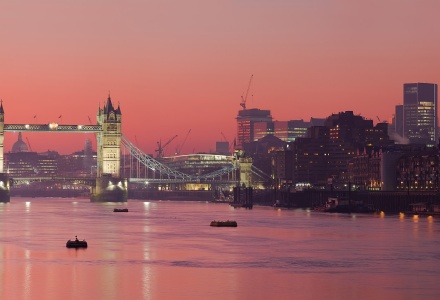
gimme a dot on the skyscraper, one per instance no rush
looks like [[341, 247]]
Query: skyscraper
[[245, 124], [420, 113]]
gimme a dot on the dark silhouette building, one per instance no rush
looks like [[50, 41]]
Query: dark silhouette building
[[324, 156], [398, 126], [419, 170]]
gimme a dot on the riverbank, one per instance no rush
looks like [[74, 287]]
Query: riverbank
[[390, 202]]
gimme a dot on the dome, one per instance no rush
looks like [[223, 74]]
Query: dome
[[20, 146]]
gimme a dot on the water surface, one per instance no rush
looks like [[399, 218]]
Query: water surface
[[167, 250]]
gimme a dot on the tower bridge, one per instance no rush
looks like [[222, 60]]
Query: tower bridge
[[109, 185]]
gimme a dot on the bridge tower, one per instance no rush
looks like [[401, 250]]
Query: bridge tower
[[109, 140], [245, 166], [245, 171], [4, 178], [109, 186]]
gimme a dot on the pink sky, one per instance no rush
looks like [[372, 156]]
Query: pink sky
[[180, 65]]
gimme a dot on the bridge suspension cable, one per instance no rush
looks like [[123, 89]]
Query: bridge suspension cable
[[151, 163], [259, 173], [170, 173]]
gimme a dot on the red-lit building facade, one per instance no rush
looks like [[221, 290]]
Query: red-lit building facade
[[245, 124]]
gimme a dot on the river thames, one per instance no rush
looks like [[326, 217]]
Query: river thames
[[167, 250]]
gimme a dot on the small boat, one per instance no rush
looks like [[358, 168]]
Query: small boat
[[224, 223], [120, 210], [76, 243], [343, 205]]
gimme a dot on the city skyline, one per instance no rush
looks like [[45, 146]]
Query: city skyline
[[175, 67]]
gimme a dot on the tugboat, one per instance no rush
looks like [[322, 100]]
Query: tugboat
[[120, 210], [76, 243], [224, 223]]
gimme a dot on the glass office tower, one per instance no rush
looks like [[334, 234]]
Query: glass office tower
[[420, 113]]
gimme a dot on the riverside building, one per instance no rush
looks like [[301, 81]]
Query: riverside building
[[21, 162], [324, 156]]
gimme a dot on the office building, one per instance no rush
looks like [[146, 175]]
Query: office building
[[261, 129], [245, 124], [286, 131], [420, 113]]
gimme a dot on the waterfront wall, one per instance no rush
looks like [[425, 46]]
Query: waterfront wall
[[171, 195], [391, 202], [31, 193]]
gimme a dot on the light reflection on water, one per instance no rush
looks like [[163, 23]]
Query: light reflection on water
[[167, 250]]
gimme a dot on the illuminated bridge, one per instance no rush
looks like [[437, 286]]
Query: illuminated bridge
[[141, 168], [119, 160]]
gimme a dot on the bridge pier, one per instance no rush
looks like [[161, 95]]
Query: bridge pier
[[109, 189], [5, 194]]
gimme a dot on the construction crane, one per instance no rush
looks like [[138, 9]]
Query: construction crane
[[160, 148], [179, 149], [244, 99], [29, 144]]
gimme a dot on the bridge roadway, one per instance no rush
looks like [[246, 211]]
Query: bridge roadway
[[205, 181], [52, 127], [91, 181]]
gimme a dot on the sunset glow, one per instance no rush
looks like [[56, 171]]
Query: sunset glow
[[180, 65]]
